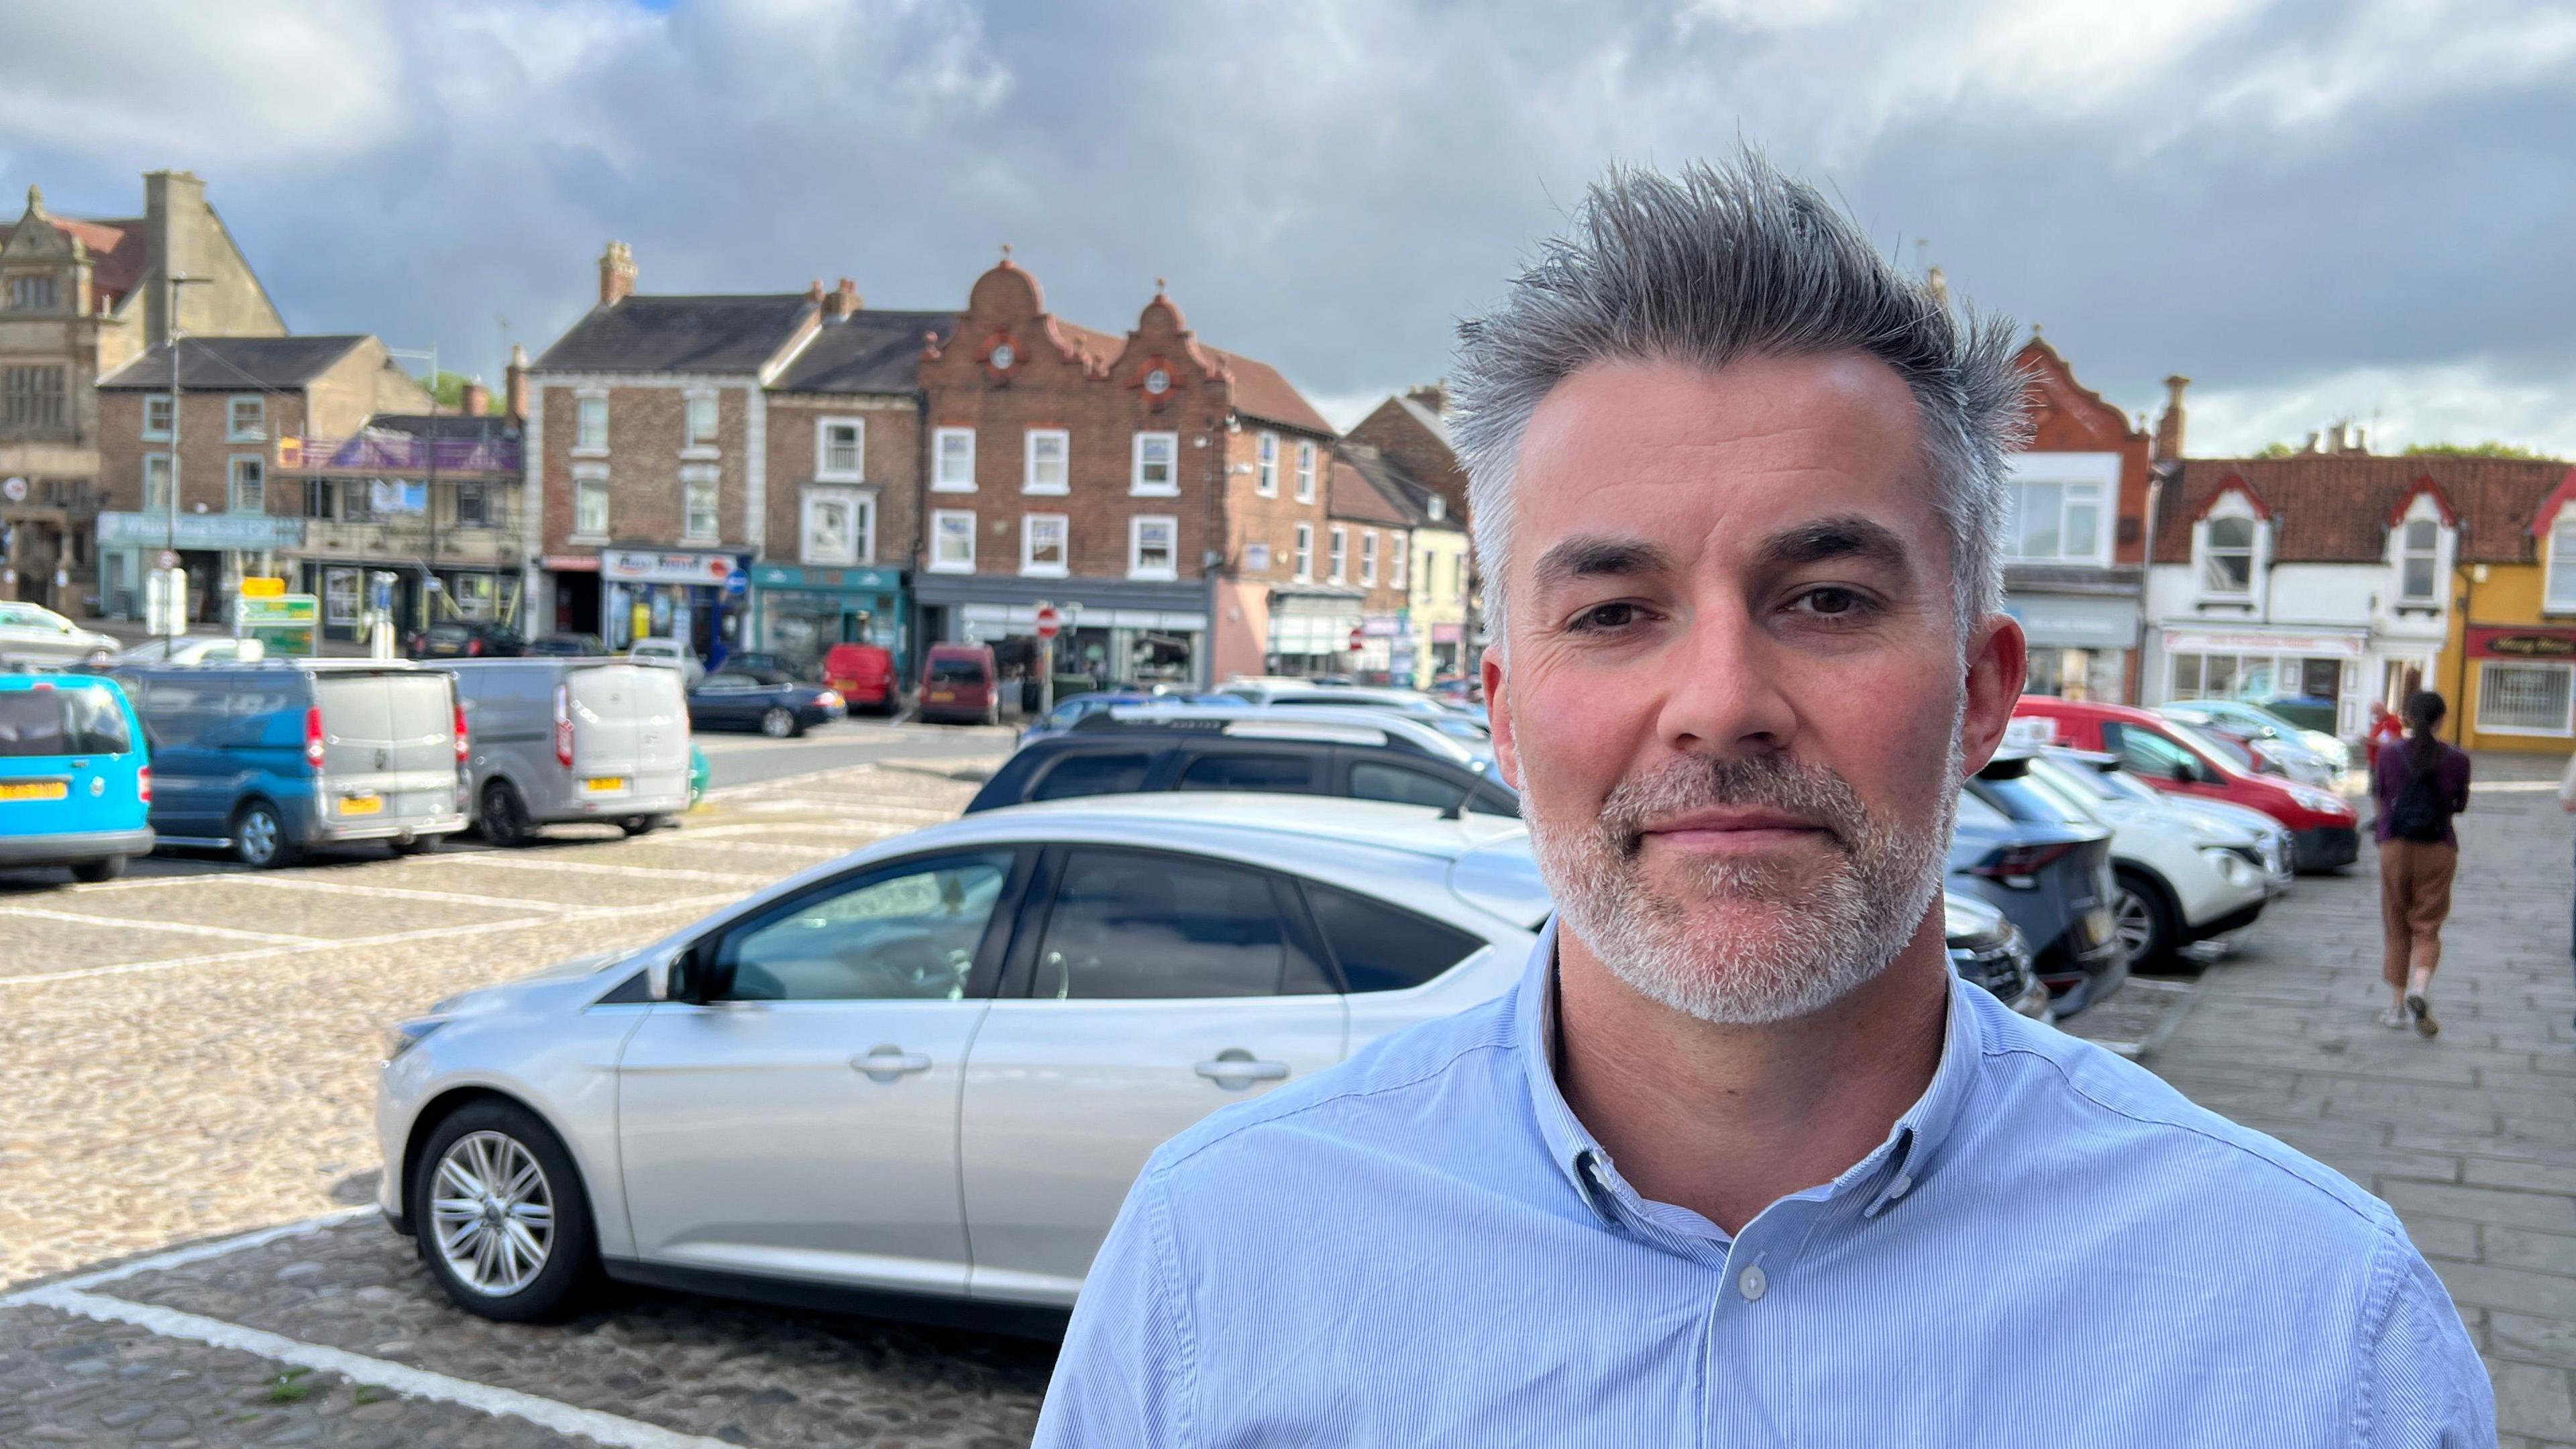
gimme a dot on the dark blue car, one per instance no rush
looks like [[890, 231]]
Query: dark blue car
[[739, 700], [2047, 867]]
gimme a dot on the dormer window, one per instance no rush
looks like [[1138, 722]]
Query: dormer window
[[2417, 561], [2561, 595], [2227, 557]]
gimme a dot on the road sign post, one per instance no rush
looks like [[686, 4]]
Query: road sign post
[[1049, 624]]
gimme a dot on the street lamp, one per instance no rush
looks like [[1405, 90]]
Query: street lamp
[[172, 611]]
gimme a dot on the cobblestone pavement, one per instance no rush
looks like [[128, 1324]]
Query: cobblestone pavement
[[2471, 1136]]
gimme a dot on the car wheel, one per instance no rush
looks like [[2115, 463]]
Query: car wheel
[[501, 1217], [94, 871], [259, 837], [778, 722], [505, 817], [2143, 920], [643, 824]]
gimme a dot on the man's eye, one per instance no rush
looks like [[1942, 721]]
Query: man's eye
[[1603, 618], [1832, 603]]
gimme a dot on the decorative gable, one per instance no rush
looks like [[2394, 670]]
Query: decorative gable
[[2545, 517], [2424, 487], [2246, 501], [2065, 415]]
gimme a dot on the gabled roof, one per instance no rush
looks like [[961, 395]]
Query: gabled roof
[[1259, 391], [1354, 497], [2336, 507], [732, 334], [870, 352], [218, 363], [115, 251], [1387, 477]]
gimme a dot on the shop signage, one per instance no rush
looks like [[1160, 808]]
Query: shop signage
[[2522, 643], [2061, 622], [646, 566], [1381, 626], [792, 576], [570, 563], [283, 622], [2248, 641], [1448, 633], [199, 530], [253, 587]]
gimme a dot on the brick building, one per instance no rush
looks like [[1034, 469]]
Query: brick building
[[1409, 432], [1153, 487], [204, 433], [2075, 542], [80, 298]]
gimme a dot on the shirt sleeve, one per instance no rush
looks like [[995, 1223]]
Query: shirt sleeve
[[1128, 1371], [2460, 795], [2426, 1388]]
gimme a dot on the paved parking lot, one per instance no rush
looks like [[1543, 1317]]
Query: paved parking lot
[[189, 1058]]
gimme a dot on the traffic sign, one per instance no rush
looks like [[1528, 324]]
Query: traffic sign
[[737, 582], [255, 587], [169, 560], [1050, 623], [15, 490], [1358, 640]]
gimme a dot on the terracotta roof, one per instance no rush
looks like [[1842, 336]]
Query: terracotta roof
[[1261, 392], [2335, 507], [115, 251], [1355, 497]]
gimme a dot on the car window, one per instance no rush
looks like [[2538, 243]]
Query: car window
[[1371, 780], [956, 671], [31, 723], [2149, 753], [907, 936], [1131, 926], [2216, 747], [1380, 947], [1078, 775], [1293, 774], [95, 726], [1973, 811]]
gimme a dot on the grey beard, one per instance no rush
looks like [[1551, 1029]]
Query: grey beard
[[1830, 932]]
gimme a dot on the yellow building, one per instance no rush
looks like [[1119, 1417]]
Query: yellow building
[[2508, 665], [1439, 603]]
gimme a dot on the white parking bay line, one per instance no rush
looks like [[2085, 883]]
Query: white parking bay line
[[400, 893], [562, 1418], [39, 913], [583, 867], [200, 1252]]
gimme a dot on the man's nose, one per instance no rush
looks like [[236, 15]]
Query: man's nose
[[1724, 696]]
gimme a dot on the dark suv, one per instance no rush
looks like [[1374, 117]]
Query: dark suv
[[1338, 752]]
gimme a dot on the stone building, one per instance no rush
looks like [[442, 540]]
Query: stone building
[[80, 298]]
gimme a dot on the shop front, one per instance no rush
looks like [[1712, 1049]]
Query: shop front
[[1448, 650], [1113, 631], [798, 612], [694, 596], [2520, 689], [2080, 644], [2268, 666], [1311, 627], [216, 549]]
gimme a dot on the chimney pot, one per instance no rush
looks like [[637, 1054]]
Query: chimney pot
[[842, 300], [616, 274]]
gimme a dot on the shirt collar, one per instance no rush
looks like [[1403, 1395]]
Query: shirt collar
[[1912, 1147]]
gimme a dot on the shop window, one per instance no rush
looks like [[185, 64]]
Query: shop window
[[952, 542], [2523, 699], [953, 460], [2227, 557], [590, 505], [1337, 554], [840, 449], [590, 425], [2562, 568], [246, 420], [698, 501], [1305, 472], [249, 486], [1047, 462], [1266, 480], [1042, 545], [2420, 549], [157, 413], [1305, 552], [1151, 548], [1157, 465]]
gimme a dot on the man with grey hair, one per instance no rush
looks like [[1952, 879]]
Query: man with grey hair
[[1740, 1161]]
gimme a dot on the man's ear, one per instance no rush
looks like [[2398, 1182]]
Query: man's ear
[[1498, 708], [1998, 666]]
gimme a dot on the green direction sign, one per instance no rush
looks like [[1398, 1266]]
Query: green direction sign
[[284, 623]]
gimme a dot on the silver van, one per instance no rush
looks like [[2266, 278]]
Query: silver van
[[573, 739], [267, 759]]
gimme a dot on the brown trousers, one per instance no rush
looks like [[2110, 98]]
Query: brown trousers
[[2414, 900]]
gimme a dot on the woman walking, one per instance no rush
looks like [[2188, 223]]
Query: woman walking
[[2419, 783]]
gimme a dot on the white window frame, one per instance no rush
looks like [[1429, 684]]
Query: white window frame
[[862, 506], [1136, 526], [1059, 524], [825, 471], [233, 482], [590, 480], [2231, 508], [162, 403], [1305, 553], [584, 415], [1368, 558], [941, 481], [257, 432], [1170, 487], [693, 477], [2562, 555], [2084, 481], [2490, 669], [1305, 470], [691, 445], [1337, 554], [1265, 474], [1029, 462], [1256, 558], [2431, 556], [157, 501], [949, 525], [1399, 553]]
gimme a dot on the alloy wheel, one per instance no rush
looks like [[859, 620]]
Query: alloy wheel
[[2134, 920], [259, 836], [492, 1215], [778, 724]]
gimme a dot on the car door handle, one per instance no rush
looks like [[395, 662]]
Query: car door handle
[[1242, 1069], [890, 1061]]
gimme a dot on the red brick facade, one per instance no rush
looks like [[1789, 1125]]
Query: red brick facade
[[647, 449], [890, 473], [2068, 417]]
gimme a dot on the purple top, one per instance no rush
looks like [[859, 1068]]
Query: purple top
[[2390, 770]]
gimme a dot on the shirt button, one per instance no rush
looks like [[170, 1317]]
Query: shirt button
[[1901, 1186], [1752, 1284]]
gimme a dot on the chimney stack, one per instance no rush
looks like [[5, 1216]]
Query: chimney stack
[[477, 399], [616, 274], [2169, 427], [814, 290], [843, 300], [514, 385]]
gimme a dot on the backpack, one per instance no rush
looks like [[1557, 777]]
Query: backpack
[[2418, 813]]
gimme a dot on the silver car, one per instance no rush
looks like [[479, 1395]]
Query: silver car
[[573, 739], [32, 634], [925, 1074]]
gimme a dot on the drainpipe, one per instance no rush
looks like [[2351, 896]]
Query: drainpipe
[[2146, 585]]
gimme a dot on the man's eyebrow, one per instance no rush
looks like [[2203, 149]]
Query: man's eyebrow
[[1588, 556], [1849, 537]]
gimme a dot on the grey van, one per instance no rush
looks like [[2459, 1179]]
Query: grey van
[[267, 760], [573, 739]]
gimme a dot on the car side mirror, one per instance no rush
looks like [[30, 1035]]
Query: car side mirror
[[689, 975]]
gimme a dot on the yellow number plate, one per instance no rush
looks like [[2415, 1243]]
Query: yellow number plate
[[33, 789], [362, 804], [942, 696], [605, 782]]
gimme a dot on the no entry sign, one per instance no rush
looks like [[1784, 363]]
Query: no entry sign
[[1049, 622]]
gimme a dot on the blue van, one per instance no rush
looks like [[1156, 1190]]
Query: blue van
[[75, 782]]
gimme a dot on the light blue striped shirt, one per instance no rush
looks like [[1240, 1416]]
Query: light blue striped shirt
[[1423, 1246]]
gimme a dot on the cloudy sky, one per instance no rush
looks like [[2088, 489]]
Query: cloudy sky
[[2315, 208]]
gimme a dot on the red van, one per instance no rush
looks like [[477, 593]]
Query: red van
[[959, 684], [2180, 760], [863, 674]]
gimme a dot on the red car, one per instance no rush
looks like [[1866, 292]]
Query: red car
[[2179, 760], [862, 674], [960, 684]]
